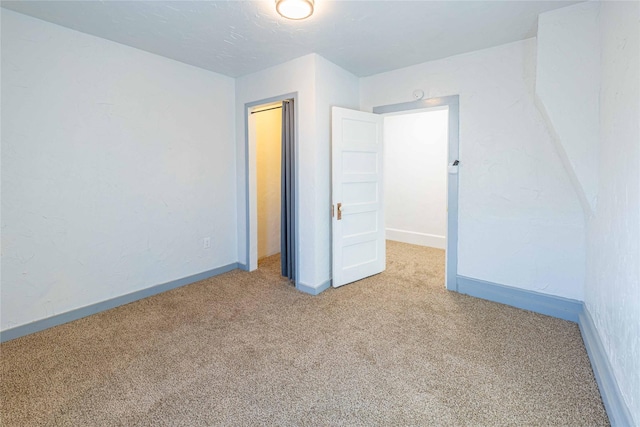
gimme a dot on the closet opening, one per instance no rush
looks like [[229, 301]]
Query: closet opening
[[271, 182]]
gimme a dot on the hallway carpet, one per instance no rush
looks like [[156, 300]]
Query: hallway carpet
[[246, 349]]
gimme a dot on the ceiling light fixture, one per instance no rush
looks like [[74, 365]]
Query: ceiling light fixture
[[295, 9]]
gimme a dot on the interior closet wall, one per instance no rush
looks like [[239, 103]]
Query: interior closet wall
[[269, 150], [415, 161]]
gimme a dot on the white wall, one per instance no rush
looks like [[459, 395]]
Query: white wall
[[334, 87], [319, 84], [293, 76], [115, 165], [567, 86], [520, 221], [415, 166], [268, 125], [612, 294]]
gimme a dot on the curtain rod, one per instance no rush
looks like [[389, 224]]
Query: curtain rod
[[266, 109]]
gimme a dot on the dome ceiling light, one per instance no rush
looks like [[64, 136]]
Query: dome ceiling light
[[295, 9]]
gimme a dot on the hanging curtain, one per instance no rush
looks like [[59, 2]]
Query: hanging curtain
[[287, 217]]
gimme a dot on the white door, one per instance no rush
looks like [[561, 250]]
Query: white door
[[357, 196]]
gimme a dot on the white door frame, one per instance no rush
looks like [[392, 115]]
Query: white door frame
[[453, 102], [251, 182]]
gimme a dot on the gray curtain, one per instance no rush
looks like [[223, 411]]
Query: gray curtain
[[287, 216]]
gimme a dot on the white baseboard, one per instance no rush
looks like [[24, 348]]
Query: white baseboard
[[415, 238]]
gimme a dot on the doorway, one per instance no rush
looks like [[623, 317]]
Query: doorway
[[451, 104], [271, 183], [358, 231], [415, 179]]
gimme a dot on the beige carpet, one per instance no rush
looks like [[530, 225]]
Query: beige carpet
[[248, 349]]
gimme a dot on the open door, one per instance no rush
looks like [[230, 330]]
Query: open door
[[357, 196]]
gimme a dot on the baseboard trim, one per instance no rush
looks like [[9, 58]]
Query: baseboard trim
[[617, 409], [550, 305], [415, 238], [69, 316], [313, 290]]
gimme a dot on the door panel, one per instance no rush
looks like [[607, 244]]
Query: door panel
[[357, 187]]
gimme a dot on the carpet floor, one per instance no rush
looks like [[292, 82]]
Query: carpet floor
[[248, 349]]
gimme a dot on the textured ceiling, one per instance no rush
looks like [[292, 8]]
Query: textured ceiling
[[240, 37]]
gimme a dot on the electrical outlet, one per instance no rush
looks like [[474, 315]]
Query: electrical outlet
[[206, 242]]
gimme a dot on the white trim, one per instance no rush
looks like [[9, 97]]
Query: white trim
[[415, 238]]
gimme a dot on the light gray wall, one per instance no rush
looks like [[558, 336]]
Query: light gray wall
[[612, 293], [115, 164], [520, 221]]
